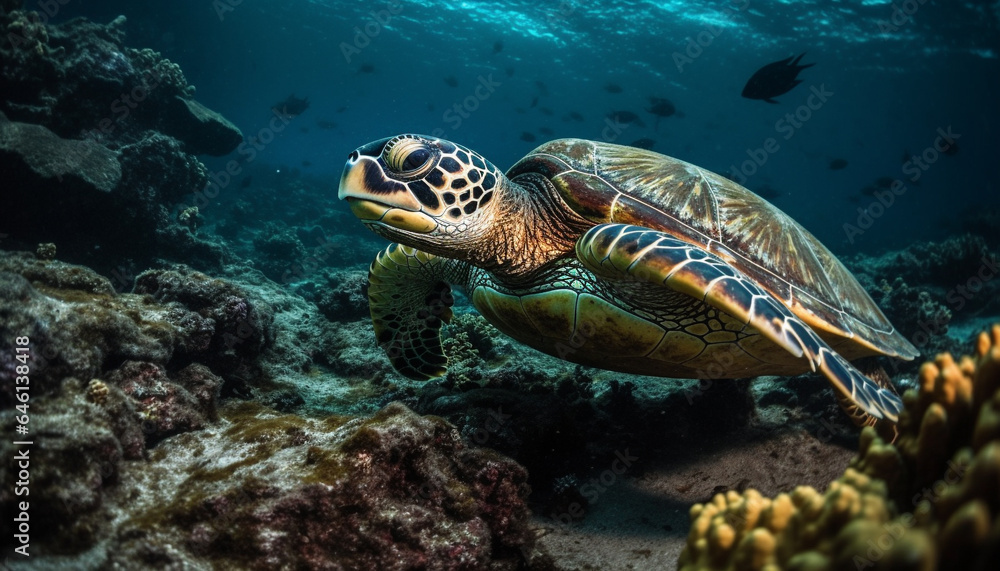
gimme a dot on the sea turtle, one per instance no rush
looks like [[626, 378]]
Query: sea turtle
[[612, 257]]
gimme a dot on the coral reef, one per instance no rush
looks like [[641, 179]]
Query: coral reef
[[928, 286], [241, 327], [97, 141], [77, 78], [394, 491], [932, 500]]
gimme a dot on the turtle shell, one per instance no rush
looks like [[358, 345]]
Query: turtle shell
[[609, 183]]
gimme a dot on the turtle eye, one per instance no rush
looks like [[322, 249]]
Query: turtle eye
[[416, 159], [408, 156]]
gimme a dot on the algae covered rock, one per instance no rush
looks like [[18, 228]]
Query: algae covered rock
[[393, 491]]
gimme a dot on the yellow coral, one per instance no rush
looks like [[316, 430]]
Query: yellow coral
[[97, 391], [929, 501]]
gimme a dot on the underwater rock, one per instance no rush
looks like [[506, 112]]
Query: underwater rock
[[926, 263], [166, 407], [203, 131], [242, 327], [345, 295], [78, 79], [35, 156], [394, 491], [84, 140], [931, 500], [278, 251], [79, 327], [929, 287], [76, 458]]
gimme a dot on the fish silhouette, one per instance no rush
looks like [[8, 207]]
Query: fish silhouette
[[774, 79], [291, 106]]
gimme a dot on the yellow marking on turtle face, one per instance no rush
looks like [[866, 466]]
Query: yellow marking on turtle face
[[614, 331], [406, 220], [552, 312], [366, 209], [677, 347], [395, 217]]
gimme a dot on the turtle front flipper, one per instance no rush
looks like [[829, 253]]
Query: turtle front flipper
[[620, 252], [409, 301]]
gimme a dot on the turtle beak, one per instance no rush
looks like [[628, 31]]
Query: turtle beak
[[376, 198]]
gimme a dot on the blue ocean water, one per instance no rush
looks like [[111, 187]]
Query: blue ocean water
[[888, 141], [895, 74]]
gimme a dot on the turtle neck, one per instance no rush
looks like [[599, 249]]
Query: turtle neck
[[531, 225]]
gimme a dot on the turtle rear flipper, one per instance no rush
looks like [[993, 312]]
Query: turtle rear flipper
[[409, 302], [625, 252]]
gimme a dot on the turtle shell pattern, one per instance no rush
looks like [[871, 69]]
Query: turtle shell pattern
[[608, 183]]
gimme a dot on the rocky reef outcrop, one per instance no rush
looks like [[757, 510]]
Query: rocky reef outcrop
[[98, 143]]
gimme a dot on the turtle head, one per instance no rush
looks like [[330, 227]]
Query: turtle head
[[421, 191]]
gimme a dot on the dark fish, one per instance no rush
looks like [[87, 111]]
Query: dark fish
[[497, 47], [546, 111], [612, 87], [542, 88], [304, 129], [509, 70], [644, 143], [950, 147], [661, 107], [291, 106], [767, 192], [342, 108], [837, 164], [529, 137], [774, 79], [450, 80], [545, 131], [869, 190], [245, 183], [534, 101], [430, 106], [573, 116], [907, 155], [366, 68], [626, 117], [324, 124], [307, 164]]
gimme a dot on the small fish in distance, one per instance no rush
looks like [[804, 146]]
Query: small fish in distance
[[291, 106], [837, 164], [661, 107], [644, 143], [625, 117], [774, 79]]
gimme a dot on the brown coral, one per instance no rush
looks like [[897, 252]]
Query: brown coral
[[932, 500]]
